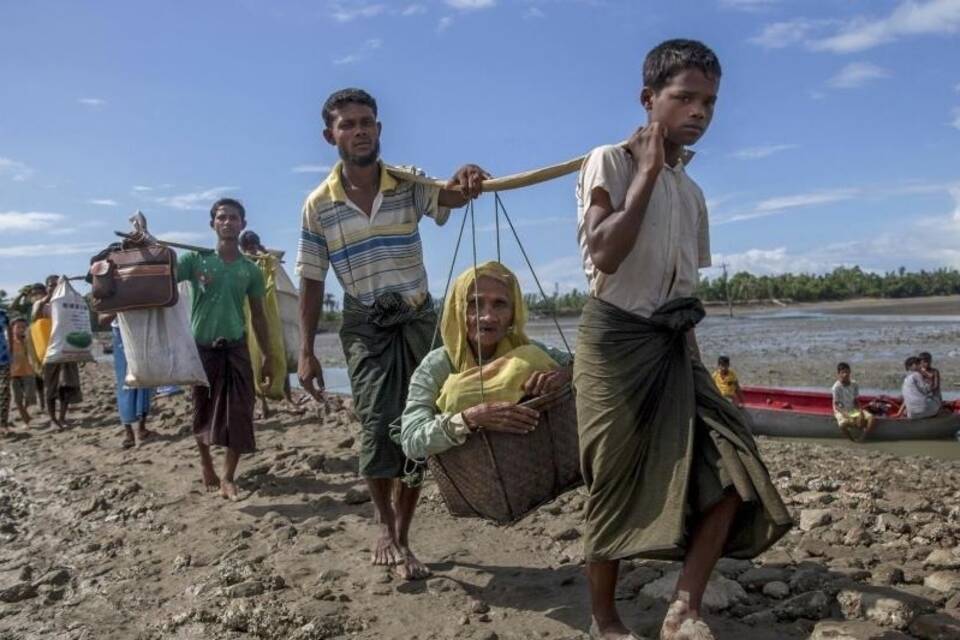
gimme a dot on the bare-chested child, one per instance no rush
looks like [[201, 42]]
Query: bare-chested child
[[930, 375]]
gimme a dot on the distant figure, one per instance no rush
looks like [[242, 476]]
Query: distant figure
[[918, 398], [727, 382], [846, 403], [4, 373], [61, 381], [930, 375], [22, 379]]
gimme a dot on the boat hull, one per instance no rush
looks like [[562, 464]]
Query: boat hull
[[788, 424]]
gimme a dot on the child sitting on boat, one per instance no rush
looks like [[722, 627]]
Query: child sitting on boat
[[846, 403], [727, 382], [930, 375], [919, 400]]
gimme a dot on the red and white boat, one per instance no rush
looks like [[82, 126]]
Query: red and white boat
[[788, 413]]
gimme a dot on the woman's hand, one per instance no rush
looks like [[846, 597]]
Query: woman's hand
[[544, 382], [501, 416]]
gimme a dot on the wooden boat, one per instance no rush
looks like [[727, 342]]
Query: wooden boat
[[790, 413]]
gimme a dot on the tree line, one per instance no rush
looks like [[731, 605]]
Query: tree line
[[840, 284]]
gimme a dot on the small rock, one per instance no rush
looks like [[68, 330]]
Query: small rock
[[245, 589], [182, 562], [814, 518], [776, 590], [942, 559], [564, 533], [346, 443], [18, 592], [357, 495], [882, 605], [853, 630], [943, 581], [721, 593], [315, 461], [936, 626], [756, 577], [813, 605], [887, 575]]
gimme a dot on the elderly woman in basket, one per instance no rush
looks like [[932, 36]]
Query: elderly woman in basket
[[451, 395]]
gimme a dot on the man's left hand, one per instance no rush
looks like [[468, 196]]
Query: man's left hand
[[468, 180]]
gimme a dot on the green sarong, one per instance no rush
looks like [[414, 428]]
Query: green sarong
[[383, 344], [659, 445]]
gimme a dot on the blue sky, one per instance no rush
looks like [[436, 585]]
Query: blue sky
[[836, 139]]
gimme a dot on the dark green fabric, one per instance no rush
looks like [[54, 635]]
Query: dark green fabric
[[658, 443], [383, 344]]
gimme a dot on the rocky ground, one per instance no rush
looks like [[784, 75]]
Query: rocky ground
[[102, 543]]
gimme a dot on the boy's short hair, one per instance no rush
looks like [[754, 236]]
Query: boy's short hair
[[228, 202], [909, 362], [671, 57], [924, 355], [842, 366], [346, 96], [723, 361]]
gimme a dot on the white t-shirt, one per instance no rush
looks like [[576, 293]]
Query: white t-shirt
[[674, 238], [845, 396]]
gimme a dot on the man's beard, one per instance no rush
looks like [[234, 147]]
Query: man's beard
[[361, 161]]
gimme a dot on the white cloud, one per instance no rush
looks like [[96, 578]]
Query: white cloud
[[856, 74], [909, 18], [349, 12], [196, 201], [930, 241], [471, 5], [749, 5], [139, 188], [311, 168], [46, 250], [780, 204], [444, 24], [779, 35], [369, 46], [94, 103], [413, 10], [103, 202], [18, 171], [534, 13], [186, 237], [28, 220], [754, 153]]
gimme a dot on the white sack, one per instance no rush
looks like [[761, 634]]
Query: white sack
[[159, 345], [289, 302], [71, 338]]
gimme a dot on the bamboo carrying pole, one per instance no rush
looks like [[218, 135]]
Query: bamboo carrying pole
[[503, 183]]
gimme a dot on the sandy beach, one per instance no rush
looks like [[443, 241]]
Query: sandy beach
[[99, 542]]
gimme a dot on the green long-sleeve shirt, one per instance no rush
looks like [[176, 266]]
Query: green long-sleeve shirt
[[424, 430]]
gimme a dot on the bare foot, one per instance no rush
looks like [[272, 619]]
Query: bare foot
[[387, 553], [211, 481], [228, 490], [613, 630], [411, 568], [143, 435], [128, 441]]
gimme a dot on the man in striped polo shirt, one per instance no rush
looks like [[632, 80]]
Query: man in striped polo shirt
[[364, 222]]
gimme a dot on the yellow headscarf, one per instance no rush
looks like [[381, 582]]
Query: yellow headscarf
[[515, 360]]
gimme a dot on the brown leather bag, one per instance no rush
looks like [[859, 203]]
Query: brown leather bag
[[141, 277]]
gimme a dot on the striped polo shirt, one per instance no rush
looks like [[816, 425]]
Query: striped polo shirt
[[371, 255]]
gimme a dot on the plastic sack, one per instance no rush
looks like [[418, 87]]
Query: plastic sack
[[269, 265], [159, 346], [289, 302], [71, 338]]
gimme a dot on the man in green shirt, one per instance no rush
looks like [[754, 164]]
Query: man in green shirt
[[222, 282]]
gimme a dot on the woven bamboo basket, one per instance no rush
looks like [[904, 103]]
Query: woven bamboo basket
[[503, 476]]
